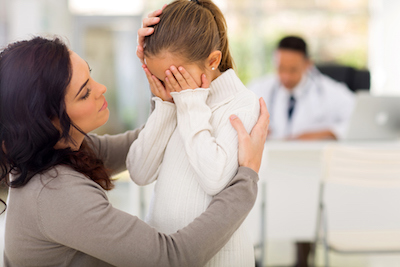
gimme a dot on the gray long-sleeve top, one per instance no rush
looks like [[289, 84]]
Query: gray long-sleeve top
[[62, 218]]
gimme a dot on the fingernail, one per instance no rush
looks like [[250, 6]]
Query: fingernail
[[233, 117], [180, 68]]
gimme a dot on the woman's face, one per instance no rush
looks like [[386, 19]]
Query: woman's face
[[85, 102]]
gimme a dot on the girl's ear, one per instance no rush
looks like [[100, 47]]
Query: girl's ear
[[214, 59]]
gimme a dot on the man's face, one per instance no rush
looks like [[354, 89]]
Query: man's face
[[291, 66]]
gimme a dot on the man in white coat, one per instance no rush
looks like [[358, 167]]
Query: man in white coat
[[303, 103]]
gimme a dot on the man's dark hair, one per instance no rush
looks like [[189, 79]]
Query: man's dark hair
[[294, 43]]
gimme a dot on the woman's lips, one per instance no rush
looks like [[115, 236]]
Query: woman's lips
[[105, 105]]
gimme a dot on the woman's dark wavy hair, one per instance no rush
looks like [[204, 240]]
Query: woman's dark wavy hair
[[34, 76]]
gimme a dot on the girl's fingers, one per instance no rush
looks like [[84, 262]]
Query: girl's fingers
[[179, 78], [148, 76], [158, 83], [204, 81], [164, 92], [168, 85], [168, 90], [157, 87], [188, 78], [175, 86], [155, 84]]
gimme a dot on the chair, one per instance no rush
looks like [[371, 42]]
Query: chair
[[359, 195], [353, 78]]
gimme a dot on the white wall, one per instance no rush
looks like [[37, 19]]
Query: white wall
[[384, 47], [25, 18]]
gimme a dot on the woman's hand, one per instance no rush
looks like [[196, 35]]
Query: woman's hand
[[251, 145], [156, 86], [151, 20], [179, 79]]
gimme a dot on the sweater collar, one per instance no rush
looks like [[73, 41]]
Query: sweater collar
[[223, 89]]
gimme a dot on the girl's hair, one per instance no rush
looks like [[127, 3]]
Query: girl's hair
[[34, 76], [191, 29]]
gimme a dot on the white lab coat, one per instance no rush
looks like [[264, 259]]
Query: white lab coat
[[321, 104]]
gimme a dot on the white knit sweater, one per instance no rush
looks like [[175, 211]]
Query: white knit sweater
[[191, 149]]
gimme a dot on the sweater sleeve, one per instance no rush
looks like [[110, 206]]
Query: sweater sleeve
[[147, 152], [74, 212], [212, 153]]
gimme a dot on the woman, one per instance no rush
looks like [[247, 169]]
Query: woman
[[58, 212]]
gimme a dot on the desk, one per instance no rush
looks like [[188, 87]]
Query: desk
[[290, 172]]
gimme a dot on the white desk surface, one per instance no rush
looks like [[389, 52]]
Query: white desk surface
[[290, 172]]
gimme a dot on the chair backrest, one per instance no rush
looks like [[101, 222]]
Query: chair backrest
[[361, 188], [354, 79], [362, 166]]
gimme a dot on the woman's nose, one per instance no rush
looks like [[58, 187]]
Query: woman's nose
[[101, 89]]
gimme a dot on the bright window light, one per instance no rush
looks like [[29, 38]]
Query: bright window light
[[106, 7]]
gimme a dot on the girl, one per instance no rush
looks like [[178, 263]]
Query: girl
[[188, 144]]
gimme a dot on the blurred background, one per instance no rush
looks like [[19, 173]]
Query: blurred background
[[363, 34], [358, 33]]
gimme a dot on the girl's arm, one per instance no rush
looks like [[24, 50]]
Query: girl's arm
[[147, 152], [212, 153]]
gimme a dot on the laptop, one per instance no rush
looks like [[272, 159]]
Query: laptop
[[374, 118]]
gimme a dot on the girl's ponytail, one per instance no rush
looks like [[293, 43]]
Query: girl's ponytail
[[227, 60]]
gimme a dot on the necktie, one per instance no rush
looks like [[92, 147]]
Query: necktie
[[292, 103]]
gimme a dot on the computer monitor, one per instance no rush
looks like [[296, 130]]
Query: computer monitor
[[374, 118]]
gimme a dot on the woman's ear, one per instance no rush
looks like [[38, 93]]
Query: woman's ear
[[214, 59]]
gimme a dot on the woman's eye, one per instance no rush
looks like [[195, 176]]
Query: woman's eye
[[87, 94]]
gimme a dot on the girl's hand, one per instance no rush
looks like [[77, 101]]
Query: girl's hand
[[156, 86], [152, 19], [179, 79]]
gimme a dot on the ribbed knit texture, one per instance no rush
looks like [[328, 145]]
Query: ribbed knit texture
[[192, 150]]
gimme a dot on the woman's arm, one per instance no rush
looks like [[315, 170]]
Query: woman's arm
[[94, 227], [77, 214]]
